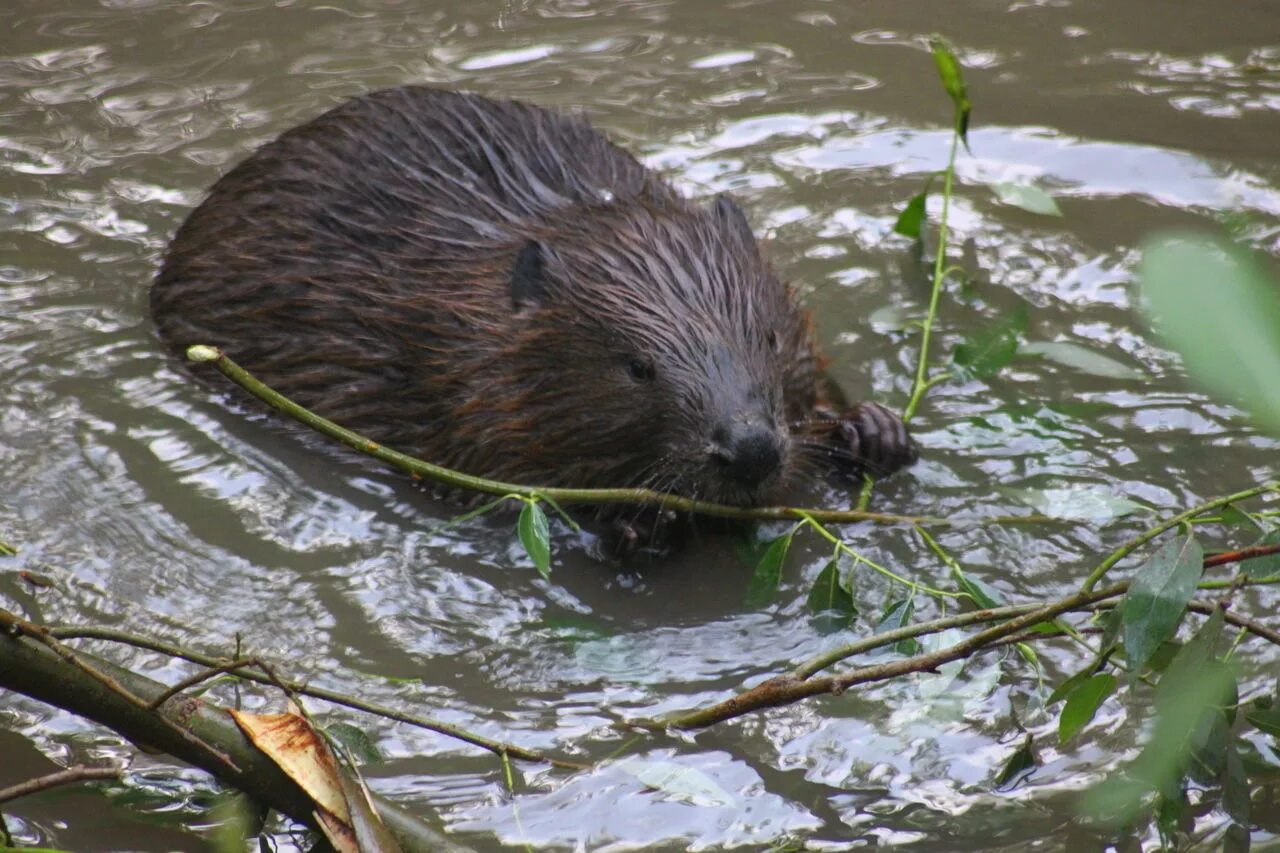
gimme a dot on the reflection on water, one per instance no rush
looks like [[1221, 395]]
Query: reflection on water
[[177, 510]]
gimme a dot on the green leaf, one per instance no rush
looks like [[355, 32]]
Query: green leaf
[[1196, 654], [830, 602], [1067, 687], [1157, 598], [1163, 761], [985, 353], [889, 318], [1209, 742], [1171, 807], [573, 628], [232, 820], [1076, 503], [911, 220], [1112, 624], [1237, 839], [356, 740], [1263, 567], [535, 536], [1083, 704], [1260, 765], [768, 574], [1163, 656], [1080, 358], [1233, 515], [896, 615], [983, 594], [1023, 760], [953, 81], [1236, 800], [1030, 198], [1266, 721], [686, 784], [1213, 303]]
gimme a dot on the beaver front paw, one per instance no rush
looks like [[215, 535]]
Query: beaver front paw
[[650, 533], [876, 440]]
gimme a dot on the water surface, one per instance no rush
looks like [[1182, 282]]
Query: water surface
[[170, 509]]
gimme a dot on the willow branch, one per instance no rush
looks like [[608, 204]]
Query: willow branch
[[199, 677], [1252, 626], [425, 470], [17, 626], [1241, 554], [1143, 538], [921, 384], [787, 689], [212, 662], [800, 684], [36, 670], [70, 776]]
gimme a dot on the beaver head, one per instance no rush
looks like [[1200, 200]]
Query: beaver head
[[652, 345]]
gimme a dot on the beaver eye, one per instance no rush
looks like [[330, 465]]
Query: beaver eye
[[641, 370], [773, 341]]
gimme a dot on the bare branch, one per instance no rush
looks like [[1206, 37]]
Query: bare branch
[[17, 626], [449, 730], [203, 675], [70, 776]]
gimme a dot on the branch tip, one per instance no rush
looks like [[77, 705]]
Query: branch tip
[[200, 353]]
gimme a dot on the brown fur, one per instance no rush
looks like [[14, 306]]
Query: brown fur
[[499, 289]]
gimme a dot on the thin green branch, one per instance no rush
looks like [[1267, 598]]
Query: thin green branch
[[16, 626], [420, 469], [842, 547], [801, 683], [907, 632], [995, 614], [920, 386], [1143, 538]]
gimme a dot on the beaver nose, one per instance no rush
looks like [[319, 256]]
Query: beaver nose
[[748, 451]]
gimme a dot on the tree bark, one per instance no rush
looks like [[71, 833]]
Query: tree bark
[[32, 669]]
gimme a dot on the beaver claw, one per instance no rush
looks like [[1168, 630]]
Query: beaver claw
[[648, 535], [876, 440]]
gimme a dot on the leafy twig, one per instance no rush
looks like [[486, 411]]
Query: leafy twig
[[1015, 620], [1146, 536], [420, 469]]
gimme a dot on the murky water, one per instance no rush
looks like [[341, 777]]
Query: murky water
[[159, 505]]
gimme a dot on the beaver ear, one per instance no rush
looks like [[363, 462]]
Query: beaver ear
[[730, 214], [529, 276]]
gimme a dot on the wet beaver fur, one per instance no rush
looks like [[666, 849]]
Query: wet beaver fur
[[500, 289]]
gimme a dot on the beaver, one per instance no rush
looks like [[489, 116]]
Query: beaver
[[498, 288]]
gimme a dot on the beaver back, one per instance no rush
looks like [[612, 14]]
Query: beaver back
[[498, 288]]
